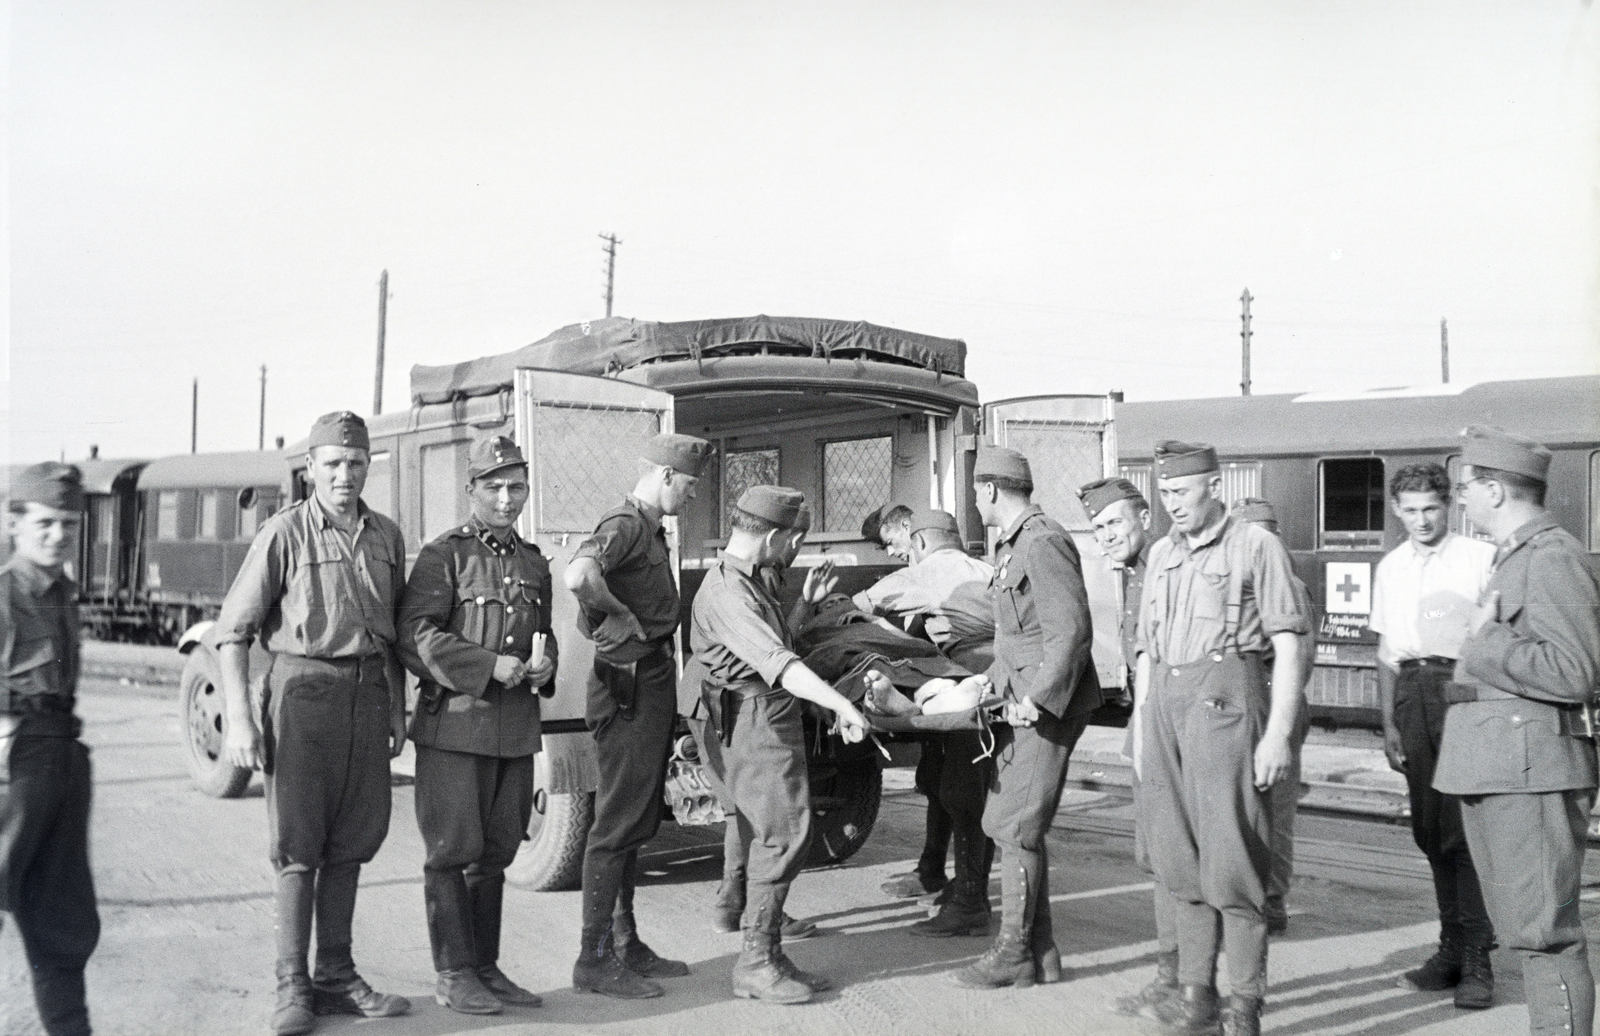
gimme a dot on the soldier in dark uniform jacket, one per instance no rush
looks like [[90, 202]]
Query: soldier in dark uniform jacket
[[622, 577], [1517, 744], [475, 613], [1042, 667], [45, 779]]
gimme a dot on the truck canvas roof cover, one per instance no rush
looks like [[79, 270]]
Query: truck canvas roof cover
[[614, 344]]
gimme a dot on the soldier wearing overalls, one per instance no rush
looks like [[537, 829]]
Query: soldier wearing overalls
[[477, 601], [45, 778], [1217, 592], [1518, 743], [753, 686], [623, 579]]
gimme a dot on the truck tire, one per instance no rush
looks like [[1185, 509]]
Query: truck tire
[[551, 860], [844, 806], [203, 723]]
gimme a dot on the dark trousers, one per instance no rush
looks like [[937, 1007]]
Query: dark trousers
[[936, 822], [1030, 766], [1210, 831], [1419, 711], [1529, 854], [45, 883], [734, 848], [472, 811], [632, 747], [766, 778], [327, 780]]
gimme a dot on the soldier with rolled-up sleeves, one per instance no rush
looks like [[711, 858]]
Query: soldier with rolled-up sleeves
[[623, 579], [1519, 737], [1042, 667], [475, 612]]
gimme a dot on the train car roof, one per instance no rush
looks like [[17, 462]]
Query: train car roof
[[1555, 411], [216, 470], [614, 345]]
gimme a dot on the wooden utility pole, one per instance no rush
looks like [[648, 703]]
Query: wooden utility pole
[[383, 321], [611, 265], [194, 416], [261, 427], [1444, 350], [1244, 335]]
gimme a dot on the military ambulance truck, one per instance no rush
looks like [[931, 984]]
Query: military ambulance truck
[[854, 415]]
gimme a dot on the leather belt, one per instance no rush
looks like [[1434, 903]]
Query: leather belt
[[1580, 721], [1429, 662]]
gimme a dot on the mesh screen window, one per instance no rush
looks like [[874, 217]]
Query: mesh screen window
[[856, 477], [742, 469]]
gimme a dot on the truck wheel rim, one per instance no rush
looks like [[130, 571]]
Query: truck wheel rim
[[205, 722]]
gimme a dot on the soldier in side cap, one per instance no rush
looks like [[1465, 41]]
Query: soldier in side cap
[[742, 640], [320, 587], [1284, 799], [1042, 667], [1218, 593], [1518, 742], [45, 778], [622, 577], [944, 594], [475, 629]]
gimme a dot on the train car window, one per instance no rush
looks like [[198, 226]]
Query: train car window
[[379, 490], [444, 474], [1139, 475], [167, 516], [1352, 504], [249, 514], [856, 477], [1240, 479], [210, 504], [742, 469], [1594, 501], [100, 518]]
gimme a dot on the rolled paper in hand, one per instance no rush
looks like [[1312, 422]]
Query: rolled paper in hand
[[536, 654]]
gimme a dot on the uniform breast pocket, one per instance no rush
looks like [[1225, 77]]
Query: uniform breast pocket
[[478, 614], [1210, 595]]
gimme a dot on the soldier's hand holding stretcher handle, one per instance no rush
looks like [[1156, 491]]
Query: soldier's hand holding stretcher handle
[[801, 682]]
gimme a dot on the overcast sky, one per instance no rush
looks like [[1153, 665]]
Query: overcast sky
[[1080, 190]]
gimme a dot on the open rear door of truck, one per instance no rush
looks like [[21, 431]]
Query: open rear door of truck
[[582, 437], [1069, 440]]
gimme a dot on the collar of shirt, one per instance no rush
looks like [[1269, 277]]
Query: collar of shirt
[[742, 565], [1430, 552], [1185, 548], [322, 519], [651, 514], [509, 542], [1016, 526], [1526, 532], [35, 580]]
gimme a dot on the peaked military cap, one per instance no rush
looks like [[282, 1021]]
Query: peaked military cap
[[1175, 459], [340, 428], [1484, 446], [682, 453], [51, 484], [779, 505], [1102, 493], [1001, 462], [492, 454], [1254, 509], [931, 519]]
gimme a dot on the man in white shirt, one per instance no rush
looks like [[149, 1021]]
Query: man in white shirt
[[1422, 603]]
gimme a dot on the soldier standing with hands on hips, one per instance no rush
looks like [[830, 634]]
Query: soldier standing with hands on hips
[[475, 629], [1042, 667], [1519, 738], [45, 779], [320, 587], [622, 576]]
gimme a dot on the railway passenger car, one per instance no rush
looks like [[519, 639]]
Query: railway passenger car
[[1324, 461]]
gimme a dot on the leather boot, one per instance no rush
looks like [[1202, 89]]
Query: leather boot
[[337, 988], [1042, 942], [729, 907], [295, 897], [1163, 987], [1440, 971], [1241, 1016], [639, 958], [1009, 961], [450, 930], [505, 990], [758, 974], [598, 968], [462, 991], [1560, 993], [1192, 1010], [485, 895], [968, 912], [1475, 991]]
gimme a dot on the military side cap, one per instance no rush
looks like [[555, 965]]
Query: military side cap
[[1001, 462], [52, 484], [1174, 459], [803, 519], [1254, 509], [871, 524], [340, 428], [1484, 446], [929, 519], [1102, 493], [492, 454], [779, 505], [681, 453]]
